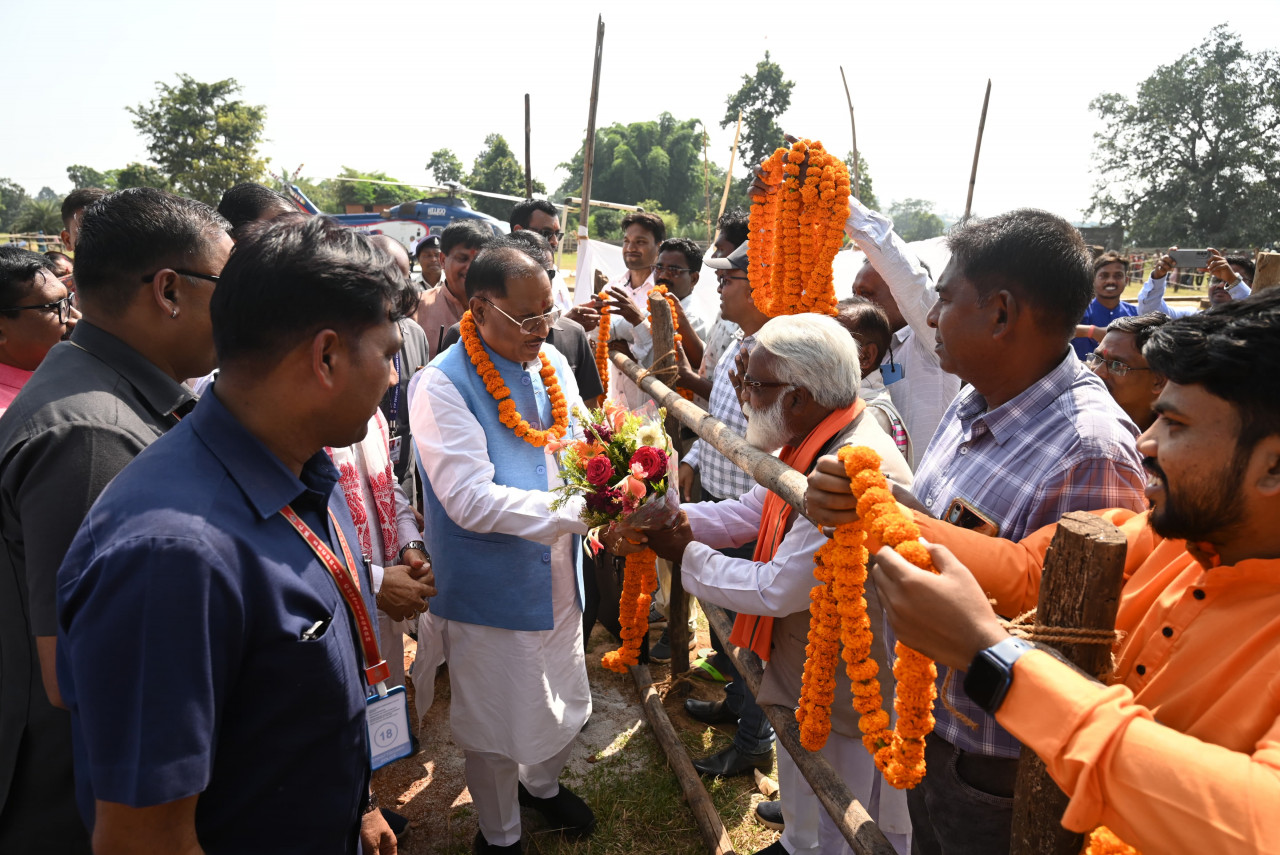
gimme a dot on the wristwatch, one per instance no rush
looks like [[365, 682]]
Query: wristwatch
[[991, 673], [370, 802], [414, 544]]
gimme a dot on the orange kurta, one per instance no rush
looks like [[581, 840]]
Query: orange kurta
[[1182, 753]]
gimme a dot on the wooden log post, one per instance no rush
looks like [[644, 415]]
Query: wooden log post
[[855, 824], [589, 144], [977, 149], [1267, 274], [1079, 588], [704, 810], [666, 368]]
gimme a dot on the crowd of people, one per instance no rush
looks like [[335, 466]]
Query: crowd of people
[[245, 451]]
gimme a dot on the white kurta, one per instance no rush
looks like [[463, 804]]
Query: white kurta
[[520, 694], [621, 388]]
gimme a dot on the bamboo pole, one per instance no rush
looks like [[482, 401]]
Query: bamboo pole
[[977, 147], [704, 810], [728, 176], [1079, 587], [853, 126], [589, 145], [855, 824], [528, 168]]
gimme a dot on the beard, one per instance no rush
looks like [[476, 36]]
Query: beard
[[1200, 512], [767, 429]]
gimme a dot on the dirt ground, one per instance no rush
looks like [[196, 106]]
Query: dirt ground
[[616, 764]]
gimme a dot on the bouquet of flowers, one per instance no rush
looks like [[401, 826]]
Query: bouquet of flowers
[[624, 468]]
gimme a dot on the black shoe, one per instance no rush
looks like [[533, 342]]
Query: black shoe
[[732, 762], [565, 811], [769, 814], [661, 652], [656, 618], [774, 848], [483, 847], [709, 712], [398, 824]]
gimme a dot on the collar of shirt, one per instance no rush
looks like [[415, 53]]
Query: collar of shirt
[[161, 392], [266, 482], [1010, 418], [13, 377]]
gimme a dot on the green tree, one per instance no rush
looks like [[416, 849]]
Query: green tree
[[364, 193], [445, 166], [203, 140], [12, 197], [139, 175], [763, 98], [660, 161], [670, 219], [46, 194], [86, 176], [914, 219], [1193, 159], [497, 170], [39, 215], [866, 195]]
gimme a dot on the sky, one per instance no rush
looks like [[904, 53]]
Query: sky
[[379, 86]]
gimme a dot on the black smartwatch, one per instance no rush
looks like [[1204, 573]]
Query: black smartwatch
[[414, 544], [991, 673]]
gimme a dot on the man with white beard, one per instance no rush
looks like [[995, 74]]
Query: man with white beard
[[800, 395]]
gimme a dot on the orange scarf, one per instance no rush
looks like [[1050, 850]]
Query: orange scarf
[[751, 631]]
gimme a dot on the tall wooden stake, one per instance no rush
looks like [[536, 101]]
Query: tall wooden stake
[[528, 170], [853, 126], [973, 173], [589, 146], [728, 176]]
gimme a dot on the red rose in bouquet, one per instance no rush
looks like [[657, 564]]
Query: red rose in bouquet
[[599, 470], [652, 462]]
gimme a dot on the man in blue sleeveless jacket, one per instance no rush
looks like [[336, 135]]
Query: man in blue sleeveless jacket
[[508, 567]]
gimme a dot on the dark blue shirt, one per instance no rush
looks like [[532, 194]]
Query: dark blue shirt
[[181, 608], [1099, 316]]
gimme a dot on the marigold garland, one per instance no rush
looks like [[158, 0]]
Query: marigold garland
[[1103, 841], [839, 610], [640, 576], [602, 348], [507, 413], [796, 232]]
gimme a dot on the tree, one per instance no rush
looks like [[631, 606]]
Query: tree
[[363, 193], [497, 170], [46, 194], [1194, 158], [86, 176], [139, 175], [660, 161], [12, 198], [866, 195], [445, 166], [203, 140], [762, 99], [39, 215], [914, 219]]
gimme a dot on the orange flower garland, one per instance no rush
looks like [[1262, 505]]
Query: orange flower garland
[[1103, 841], [507, 413], [798, 230], [841, 564], [640, 576], [602, 348]]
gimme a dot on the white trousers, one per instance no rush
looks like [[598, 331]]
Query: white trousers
[[492, 780], [809, 828]]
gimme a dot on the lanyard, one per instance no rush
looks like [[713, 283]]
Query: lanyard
[[376, 670], [394, 409]]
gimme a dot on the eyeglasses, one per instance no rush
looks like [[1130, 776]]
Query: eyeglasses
[[191, 273], [660, 268], [725, 277], [1114, 366], [757, 385], [530, 326], [550, 234], [62, 307]]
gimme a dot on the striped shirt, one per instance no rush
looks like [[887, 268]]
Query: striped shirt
[[721, 477], [1061, 445]]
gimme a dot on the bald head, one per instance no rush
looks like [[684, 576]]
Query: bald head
[[395, 249]]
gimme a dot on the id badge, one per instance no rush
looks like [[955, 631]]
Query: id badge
[[892, 373], [393, 446], [387, 719]]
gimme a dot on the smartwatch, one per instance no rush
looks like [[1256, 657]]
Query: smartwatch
[[991, 673], [414, 544]]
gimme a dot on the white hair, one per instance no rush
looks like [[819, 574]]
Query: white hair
[[816, 353]]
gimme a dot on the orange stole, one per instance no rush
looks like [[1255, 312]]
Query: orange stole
[[752, 631]]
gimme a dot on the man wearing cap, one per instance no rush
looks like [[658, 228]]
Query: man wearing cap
[[430, 272]]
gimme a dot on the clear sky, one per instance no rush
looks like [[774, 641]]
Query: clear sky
[[379, 86]]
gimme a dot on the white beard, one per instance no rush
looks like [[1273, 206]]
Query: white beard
[[766, 429]]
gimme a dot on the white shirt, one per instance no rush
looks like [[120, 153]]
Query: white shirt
[[621, 389], [925, 390], [1151, 297], [520, 694]]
